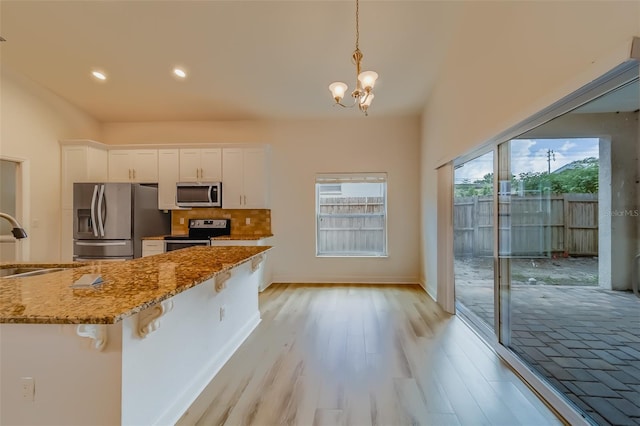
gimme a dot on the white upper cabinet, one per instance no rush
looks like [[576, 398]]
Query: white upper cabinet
[[200, 165], [81, 163], [168, 176], [244, 178], [133, 165]]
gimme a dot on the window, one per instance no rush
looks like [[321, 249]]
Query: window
[[351, 214]]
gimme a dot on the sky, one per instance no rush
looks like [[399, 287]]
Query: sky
[[530, 155]]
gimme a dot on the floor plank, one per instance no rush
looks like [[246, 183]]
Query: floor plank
[[335, 354]]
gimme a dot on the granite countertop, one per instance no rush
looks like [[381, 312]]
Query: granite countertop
[[7, 265], [237, 237], [128, 287], [242, 237], [155, 237]]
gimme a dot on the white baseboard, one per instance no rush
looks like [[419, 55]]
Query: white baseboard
[[208, 372], [346, 279]]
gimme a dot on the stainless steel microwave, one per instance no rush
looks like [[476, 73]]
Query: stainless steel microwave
[[199, 194]]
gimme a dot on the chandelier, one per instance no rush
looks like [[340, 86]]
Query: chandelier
[[363, 93]]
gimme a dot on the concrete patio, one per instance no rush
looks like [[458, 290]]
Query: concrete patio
[[584, 340]]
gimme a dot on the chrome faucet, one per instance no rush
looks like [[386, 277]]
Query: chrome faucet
[[17, 231]]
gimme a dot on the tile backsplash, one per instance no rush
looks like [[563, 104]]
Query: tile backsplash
[[260, 220]]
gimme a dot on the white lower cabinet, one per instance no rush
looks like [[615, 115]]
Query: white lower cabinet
[[265, 279], [151, 247]]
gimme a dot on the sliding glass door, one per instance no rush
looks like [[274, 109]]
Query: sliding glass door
[[547, 250], [474, 240]]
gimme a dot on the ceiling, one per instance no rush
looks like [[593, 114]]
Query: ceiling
[[247, 60]]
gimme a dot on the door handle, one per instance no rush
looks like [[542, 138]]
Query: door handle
[[134, 174], [101, 220], [93, 211], [245, 200]]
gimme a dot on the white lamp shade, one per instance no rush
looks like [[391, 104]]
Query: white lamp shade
[[338, 89], [367, 79], [367, 100]]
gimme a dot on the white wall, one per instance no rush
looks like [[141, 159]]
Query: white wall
[[32, 120], [510, 60], [299, 149]]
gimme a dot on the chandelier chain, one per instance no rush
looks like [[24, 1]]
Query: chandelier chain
[[357, 25]]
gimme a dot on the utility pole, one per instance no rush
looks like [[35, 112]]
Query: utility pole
[[551, 154]]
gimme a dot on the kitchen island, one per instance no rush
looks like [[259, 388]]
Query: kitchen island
[[137, 348]]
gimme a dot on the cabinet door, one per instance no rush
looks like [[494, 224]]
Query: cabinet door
[[144, 163], [211, 165], [190, 165], [168, 174], [255, 179], [232, 175], [74, 169], [120, 165], [97, 161], [151, 247]]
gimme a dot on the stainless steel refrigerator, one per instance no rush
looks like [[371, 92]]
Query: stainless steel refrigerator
[[109, 220]]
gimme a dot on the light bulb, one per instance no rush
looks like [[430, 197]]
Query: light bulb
[[338, 89], [367, 79], [368, 98], [179, 72], [99, 75]]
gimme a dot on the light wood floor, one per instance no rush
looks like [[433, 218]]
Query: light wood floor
[[363, 355]]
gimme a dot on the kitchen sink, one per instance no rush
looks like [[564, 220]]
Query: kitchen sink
[[26, 271]]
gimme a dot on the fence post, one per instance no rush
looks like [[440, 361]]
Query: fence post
[[474, 216], [565, 224]]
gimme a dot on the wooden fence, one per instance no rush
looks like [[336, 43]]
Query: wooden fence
[[530, 225], [351, 225]]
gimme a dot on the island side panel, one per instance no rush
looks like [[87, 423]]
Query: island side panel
[[164, 372], [75, 384]]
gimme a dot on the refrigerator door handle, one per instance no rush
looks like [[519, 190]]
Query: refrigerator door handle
[[101, 244], [93, 211], [101, 220]]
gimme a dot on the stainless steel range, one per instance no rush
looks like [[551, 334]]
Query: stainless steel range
[[200, 233]]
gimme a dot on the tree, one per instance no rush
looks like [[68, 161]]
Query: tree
[[580, 177]]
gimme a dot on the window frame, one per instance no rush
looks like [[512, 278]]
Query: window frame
[[349, 178]]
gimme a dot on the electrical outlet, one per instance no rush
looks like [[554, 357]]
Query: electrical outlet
[[247, 221], [223, 309], [27, 388], [182, 221]]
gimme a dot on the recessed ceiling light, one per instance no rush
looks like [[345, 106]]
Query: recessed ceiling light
[[100, 75], [179, 72]]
